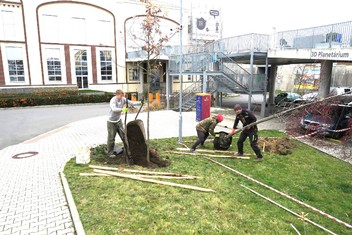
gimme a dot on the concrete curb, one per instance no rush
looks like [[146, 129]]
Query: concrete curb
[[77, 223]]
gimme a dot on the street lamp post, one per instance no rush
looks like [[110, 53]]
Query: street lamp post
[[180, 98]]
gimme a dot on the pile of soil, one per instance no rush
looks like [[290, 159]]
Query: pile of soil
[[138, 147], [282, 145]]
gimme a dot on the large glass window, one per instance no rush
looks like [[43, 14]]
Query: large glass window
[[104, 31], [53, 64], [50, 25], [78, 25], [15, 63], [9, 28], [81, 68], [106, 65]]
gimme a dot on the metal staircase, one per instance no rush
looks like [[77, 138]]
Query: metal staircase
[[221, 74]]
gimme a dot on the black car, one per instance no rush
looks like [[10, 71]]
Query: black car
[[334, 122]]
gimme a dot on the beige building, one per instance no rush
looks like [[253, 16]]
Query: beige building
[[52, 43]]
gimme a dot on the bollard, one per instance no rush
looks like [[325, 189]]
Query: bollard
[[134, 98], [150, 97], [157, 97]]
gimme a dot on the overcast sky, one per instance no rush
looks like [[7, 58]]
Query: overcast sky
[[261, 16]]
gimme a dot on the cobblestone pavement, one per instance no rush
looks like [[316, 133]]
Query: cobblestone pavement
[[32, 200]]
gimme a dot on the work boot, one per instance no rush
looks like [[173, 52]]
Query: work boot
[[259, 159], [130, 161], [111, 154]]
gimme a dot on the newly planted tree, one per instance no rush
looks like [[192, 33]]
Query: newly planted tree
[[153, 39]]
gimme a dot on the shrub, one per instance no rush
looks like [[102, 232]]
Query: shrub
[[51, 98]]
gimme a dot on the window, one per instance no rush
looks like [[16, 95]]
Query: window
[[53, 64], [81, 68], [50, 31], [78, 25], [134, 74], [104, 33], [15, 63], [9, 29], [106, 65]]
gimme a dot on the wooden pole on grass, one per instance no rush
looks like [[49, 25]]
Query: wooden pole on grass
[[209, 155], [157, 173], [104, 168], [146, 176], [211, 151], [155, 181], [283, 194], [292, 212]]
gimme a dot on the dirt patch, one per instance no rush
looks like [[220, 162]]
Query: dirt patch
[[282, 145]]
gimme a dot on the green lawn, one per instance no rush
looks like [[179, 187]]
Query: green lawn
[[111, 205]]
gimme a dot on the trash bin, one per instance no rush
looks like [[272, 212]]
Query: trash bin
[[203, 103]]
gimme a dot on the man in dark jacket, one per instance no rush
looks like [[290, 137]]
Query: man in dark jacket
[[205, 127], [246, 117]]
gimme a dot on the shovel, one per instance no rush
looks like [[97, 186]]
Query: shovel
[[129, 159], [140, 108]]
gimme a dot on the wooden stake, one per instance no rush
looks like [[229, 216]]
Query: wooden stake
[[183, 144], [154, 181], [209, 155], [103, 168], [296, 230], [292, 212], [93, 174], [190, 141], [263, 147], [283, 194], [167, 177], [145, 176], [214, 151], [157, 173]]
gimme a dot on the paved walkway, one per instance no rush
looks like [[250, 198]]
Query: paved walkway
[[32, 200]]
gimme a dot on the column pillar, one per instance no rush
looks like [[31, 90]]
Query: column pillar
[[325, 78]]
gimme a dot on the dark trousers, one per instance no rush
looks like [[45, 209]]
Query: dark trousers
[[202, 136], [252, 134], [113, 128]]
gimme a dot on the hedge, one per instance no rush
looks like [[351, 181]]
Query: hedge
[[51, 98]]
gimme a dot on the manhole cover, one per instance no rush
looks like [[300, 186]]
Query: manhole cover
[[24, 155]]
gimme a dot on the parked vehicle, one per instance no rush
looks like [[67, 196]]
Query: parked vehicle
[[333, 122], [310, 96], [345, 92], [284, 98]]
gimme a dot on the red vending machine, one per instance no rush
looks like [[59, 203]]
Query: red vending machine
[[203, 106]]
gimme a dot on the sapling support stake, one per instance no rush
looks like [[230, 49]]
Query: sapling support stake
[[296, 230], [292, 212], [210, 155], [154, 181], [284, 194]]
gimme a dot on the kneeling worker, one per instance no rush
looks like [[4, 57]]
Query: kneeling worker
[[205, 127], [246, 117]]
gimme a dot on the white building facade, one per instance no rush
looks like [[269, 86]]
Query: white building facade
[[52, 43]]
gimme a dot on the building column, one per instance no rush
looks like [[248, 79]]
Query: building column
[[325, 78], [271, 86]]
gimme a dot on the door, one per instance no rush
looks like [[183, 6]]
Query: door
[[81, 68]]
